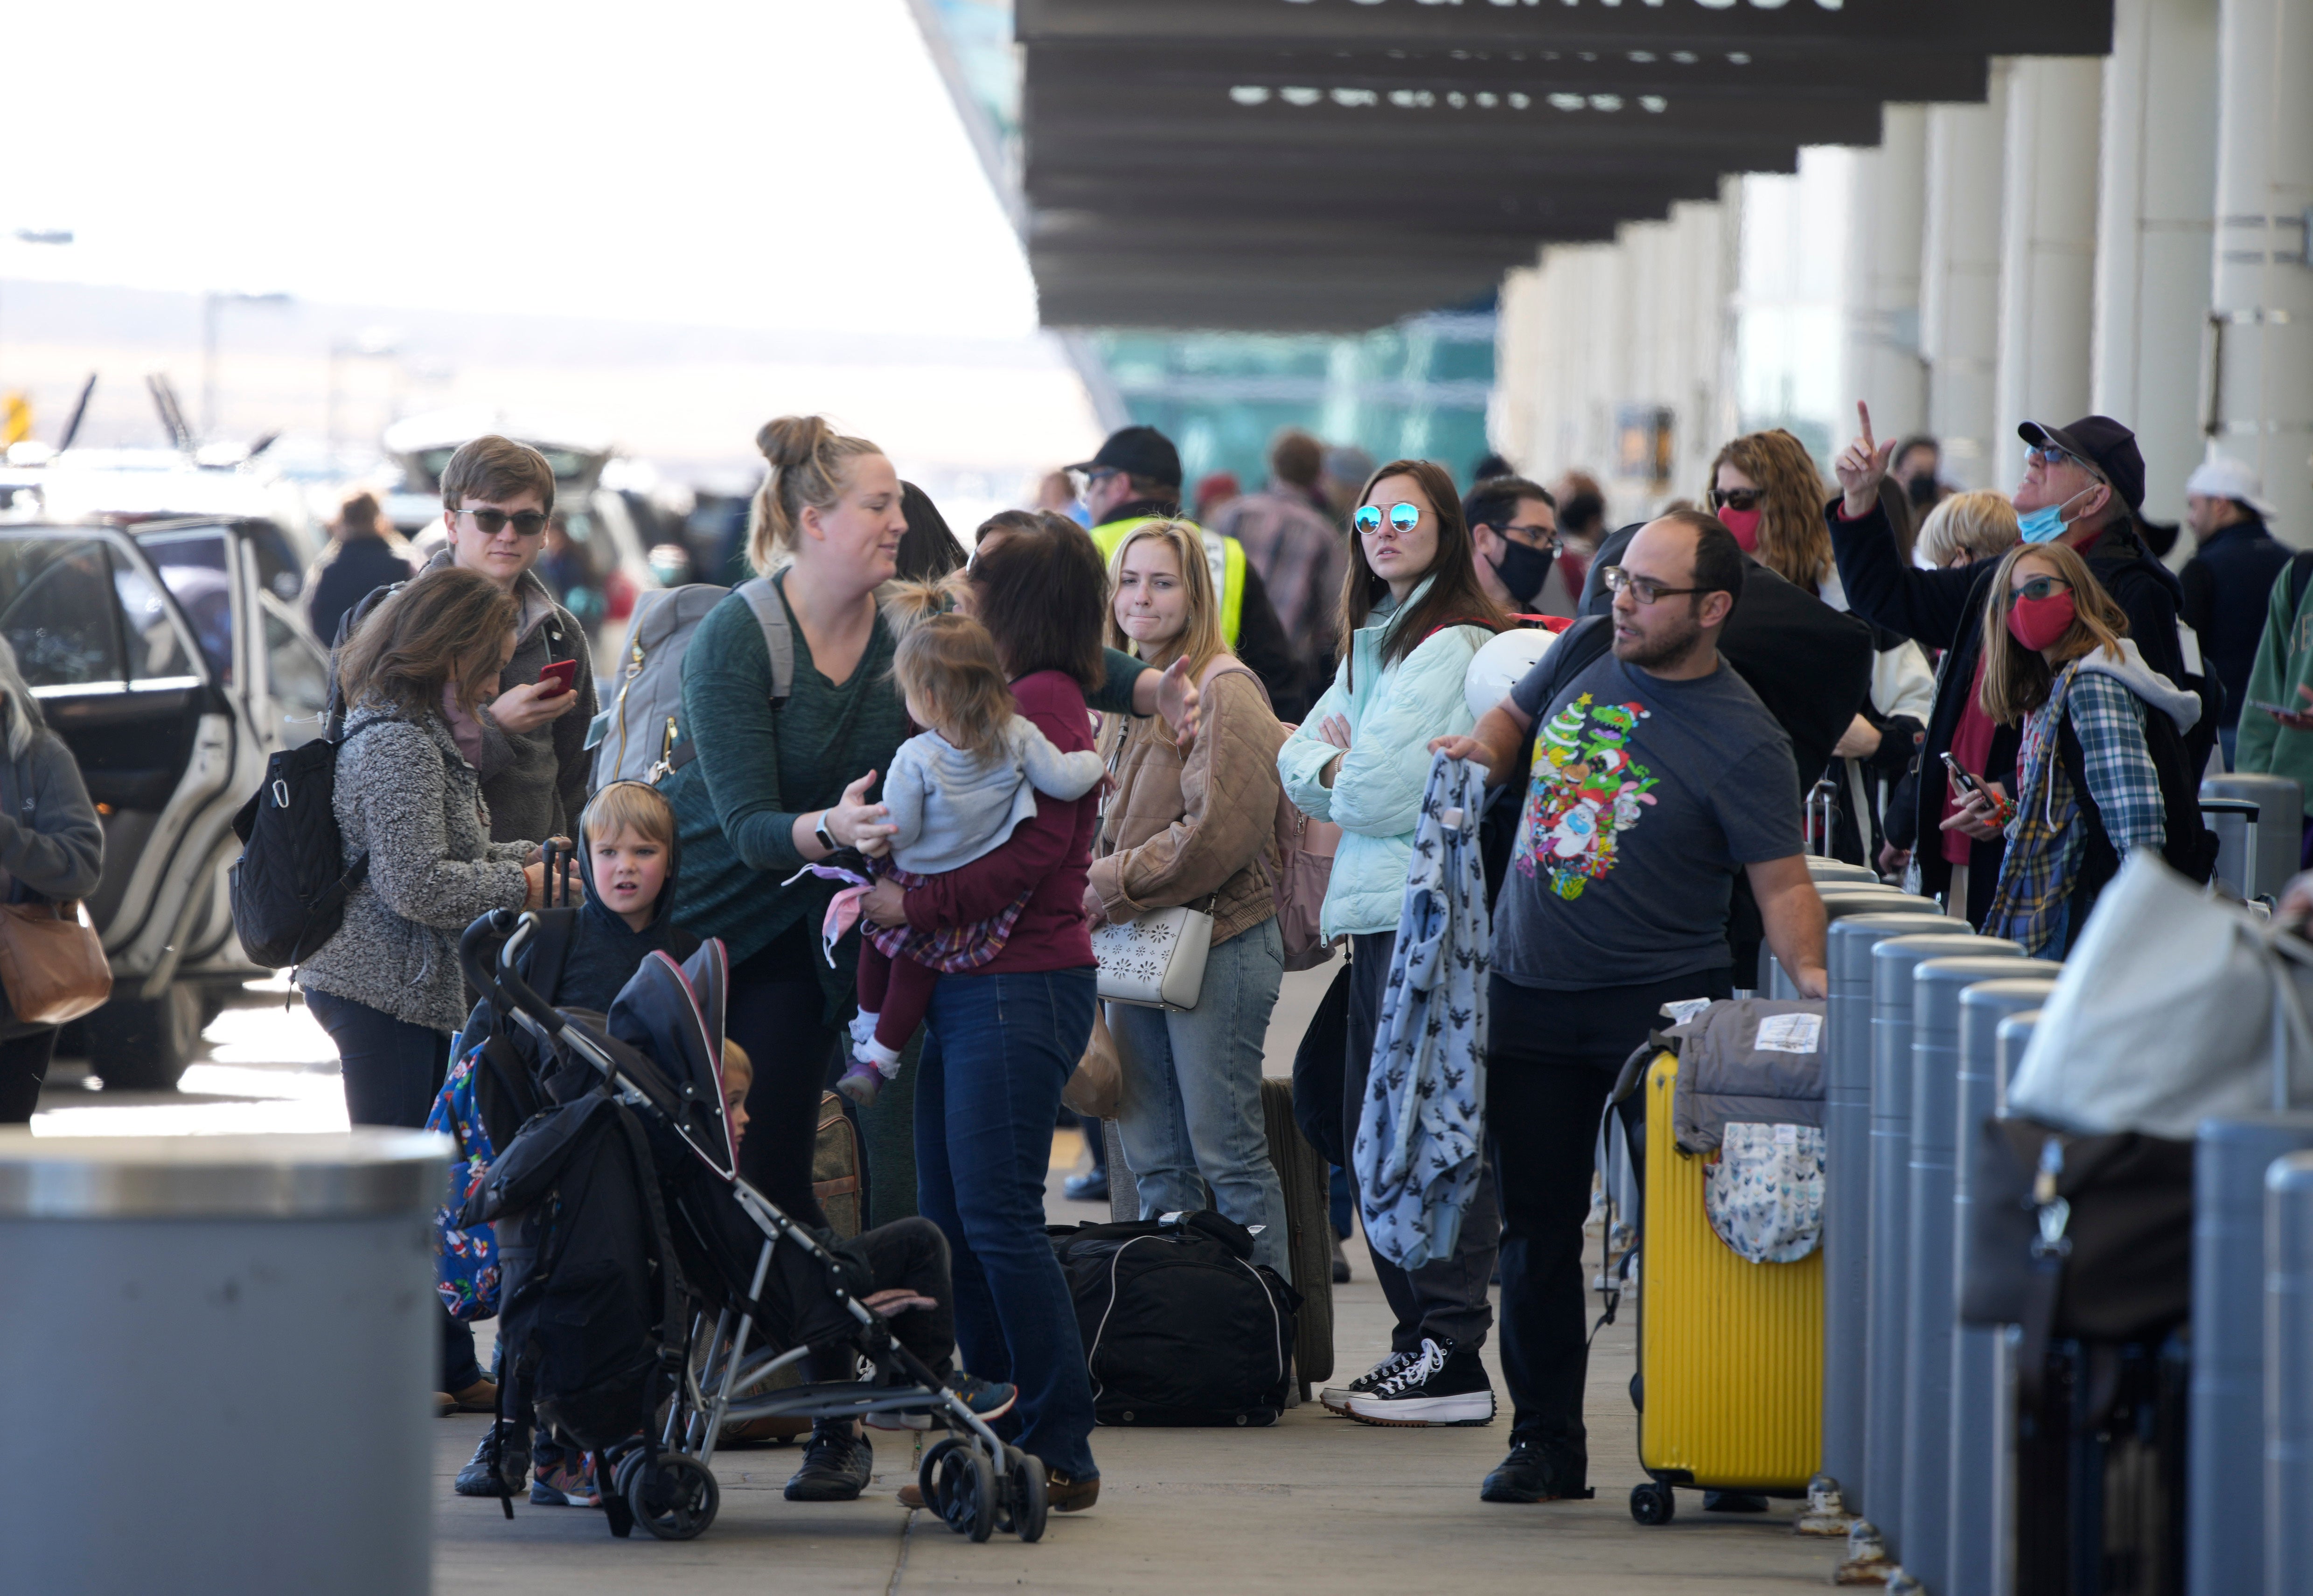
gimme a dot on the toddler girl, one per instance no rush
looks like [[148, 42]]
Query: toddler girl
[[954, 792]]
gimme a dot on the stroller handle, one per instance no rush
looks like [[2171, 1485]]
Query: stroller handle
[[497, 976]]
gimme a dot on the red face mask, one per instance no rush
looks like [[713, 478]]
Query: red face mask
[[2037, 622], [1743, 525]]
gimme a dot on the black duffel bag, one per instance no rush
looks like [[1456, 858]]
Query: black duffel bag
[[1180, 1326]]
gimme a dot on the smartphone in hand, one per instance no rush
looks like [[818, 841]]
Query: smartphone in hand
[[564, 672], [1960, 776], [2271, 709]]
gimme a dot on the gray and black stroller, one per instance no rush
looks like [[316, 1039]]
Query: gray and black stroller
[[649, 1294]]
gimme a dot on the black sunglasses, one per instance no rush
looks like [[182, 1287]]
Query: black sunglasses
[[1734, 498], [527, 524]]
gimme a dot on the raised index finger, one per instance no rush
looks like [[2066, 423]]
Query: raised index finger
[[1863, 414]]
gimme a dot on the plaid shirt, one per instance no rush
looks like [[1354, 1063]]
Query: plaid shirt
[[1301, 555], [2033, 901]]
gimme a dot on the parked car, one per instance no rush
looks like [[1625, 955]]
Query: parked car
[[166, 656]]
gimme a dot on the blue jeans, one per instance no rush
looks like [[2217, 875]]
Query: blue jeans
[[997, 1051], [392, 1070], [1191, 1101]]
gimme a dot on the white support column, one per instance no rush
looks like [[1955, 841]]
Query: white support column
[[2154, 226], [1959, 277], [2262, 320], [1512, 418], [2047, 250], [1880, 344]]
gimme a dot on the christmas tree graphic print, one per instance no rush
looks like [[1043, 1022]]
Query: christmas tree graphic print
[[1586, 791]]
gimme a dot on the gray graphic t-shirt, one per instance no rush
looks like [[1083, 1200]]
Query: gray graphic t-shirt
[[1644, 799]]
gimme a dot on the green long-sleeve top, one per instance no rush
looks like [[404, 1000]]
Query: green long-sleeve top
[[756, 769], [2284, 663]]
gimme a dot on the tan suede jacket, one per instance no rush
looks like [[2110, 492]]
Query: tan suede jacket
[[1180, 829]]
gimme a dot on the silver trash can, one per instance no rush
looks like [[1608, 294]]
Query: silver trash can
[[253, 1317]]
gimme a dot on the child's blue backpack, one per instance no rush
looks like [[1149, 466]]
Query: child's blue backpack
[[466, 1261]]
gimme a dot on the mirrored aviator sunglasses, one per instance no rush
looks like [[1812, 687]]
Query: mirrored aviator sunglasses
[[1404, 518]]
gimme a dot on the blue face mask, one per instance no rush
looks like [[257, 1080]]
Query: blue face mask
[[2046, 524]]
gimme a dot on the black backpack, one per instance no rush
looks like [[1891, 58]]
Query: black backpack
[[1180, 1326], [290, 885]]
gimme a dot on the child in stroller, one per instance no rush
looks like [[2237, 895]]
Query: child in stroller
[[649, 1293]]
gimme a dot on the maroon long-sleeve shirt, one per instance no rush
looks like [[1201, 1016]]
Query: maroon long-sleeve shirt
[[1049, 853]]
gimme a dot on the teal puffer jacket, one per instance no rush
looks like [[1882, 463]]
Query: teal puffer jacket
[[1376, 799]]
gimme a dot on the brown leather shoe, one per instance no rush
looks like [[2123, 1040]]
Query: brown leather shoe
[[1063, 1494], [481, 1397], [911, 1496]]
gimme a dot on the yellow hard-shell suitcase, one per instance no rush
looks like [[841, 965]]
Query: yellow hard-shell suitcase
[[1730, 1352]]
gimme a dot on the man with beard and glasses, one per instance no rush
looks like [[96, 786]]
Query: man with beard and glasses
[[1657, 777]]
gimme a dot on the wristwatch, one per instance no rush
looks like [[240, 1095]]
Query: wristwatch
[[826, 837]]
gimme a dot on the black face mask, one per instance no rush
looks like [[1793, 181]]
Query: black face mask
[[1523, 570], [1922, 489]]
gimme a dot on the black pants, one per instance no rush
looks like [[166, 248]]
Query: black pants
[[24, 1066], [1551, 1062], [392, 1071], [1445, 1299], [773, 1012]]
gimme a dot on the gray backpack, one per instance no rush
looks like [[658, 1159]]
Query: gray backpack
[[640, 736]]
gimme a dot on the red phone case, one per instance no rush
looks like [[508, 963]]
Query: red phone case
[[565, 671]]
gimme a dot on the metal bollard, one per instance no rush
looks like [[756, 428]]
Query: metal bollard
[[2288, 1373], [1966, 1505], [2278, 799], [1847, 1180], [1827, 870], [1893, 963], [1939, 991], [1841, 901], [2224, 1490], [184, 1287]]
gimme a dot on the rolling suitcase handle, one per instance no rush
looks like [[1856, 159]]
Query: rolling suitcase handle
[[2247, 809], [1822, 805]]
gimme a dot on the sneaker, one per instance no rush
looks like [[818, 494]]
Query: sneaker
[[477, 1478], [1091, 1186], [836, 1466], [1530, 1474], [861, 1081], [1337, 1397], [1443, 1384], [986, 1398], [569, 1483]]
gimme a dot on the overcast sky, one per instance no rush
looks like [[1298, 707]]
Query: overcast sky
[[769, 164]]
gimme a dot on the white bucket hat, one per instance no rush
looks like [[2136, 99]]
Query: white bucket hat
[[2222, 477]]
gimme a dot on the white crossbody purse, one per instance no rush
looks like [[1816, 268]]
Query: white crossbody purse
[[1157, 960]]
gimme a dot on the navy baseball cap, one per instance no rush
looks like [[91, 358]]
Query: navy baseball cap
[[2105, 444], [1140, 451]]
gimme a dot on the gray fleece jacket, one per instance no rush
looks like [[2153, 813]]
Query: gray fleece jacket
[[407, 795], [51, 842]]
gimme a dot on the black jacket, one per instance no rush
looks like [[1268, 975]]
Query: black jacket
[[2226, 586], [1944, 609], [343, 577], [605, 952]]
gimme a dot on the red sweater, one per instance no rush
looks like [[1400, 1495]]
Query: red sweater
[[1048, 853]]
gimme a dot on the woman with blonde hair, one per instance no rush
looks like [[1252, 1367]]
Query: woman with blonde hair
[[1966, 528], [1197, 829], [1764, 488], [2102, 769]]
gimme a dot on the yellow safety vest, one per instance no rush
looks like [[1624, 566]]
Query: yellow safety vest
[[1223, 557]]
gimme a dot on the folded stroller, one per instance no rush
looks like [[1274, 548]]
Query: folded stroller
[[649, 1293]]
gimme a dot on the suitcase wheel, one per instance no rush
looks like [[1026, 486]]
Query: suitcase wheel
[[1652, 1504]]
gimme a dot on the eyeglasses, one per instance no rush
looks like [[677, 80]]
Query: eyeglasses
[[1533, 537], [2040, 588], [2051, 457], [527, 524], [1645, 589], [1404, 518], [1734, 498]]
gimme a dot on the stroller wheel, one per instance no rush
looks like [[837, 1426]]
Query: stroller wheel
[[975, 1503], [1027, 1494], [936, 1474], [674, 1497]]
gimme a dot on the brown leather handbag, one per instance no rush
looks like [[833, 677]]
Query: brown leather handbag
[[52, 964]]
